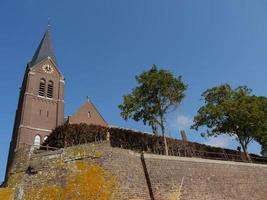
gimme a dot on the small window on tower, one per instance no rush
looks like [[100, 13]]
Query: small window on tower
[[88, 113], [50, 89], [42, 87]]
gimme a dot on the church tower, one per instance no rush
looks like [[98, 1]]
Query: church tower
[[41, 101]]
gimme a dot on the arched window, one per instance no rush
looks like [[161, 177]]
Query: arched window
[[50, 89], [42, 87], [37, 140]]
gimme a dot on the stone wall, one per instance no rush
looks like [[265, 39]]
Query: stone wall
[[130, 177], [206, 179]]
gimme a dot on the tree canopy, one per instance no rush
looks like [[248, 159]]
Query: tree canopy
[[158, 92], [261, 137], [235, 112]]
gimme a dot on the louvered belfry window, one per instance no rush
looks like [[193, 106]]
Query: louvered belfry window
[[50, 89], [42, 87]]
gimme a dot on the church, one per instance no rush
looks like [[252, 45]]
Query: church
[[129, 164], [41, 100], [40, 106]]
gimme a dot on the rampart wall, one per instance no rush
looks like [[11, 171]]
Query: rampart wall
[[144, 177]]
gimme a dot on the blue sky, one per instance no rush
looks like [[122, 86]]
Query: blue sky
[[101, 45]]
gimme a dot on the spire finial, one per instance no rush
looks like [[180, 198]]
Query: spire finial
[[48, 24], [87, 98]]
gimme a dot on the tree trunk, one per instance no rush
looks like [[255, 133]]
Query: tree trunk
[[244, 147], [163, 134], [166, 145]]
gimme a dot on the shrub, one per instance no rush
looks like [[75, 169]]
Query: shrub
[[75, 134], [138, 141]]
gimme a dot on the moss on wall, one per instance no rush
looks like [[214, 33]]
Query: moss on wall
[[83, 181], [6, 193], [71, 173], [100, 172]]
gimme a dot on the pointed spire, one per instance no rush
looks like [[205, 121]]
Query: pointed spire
[[45, 48]]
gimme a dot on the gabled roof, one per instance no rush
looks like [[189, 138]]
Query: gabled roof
[[44, 50], [88, 114]]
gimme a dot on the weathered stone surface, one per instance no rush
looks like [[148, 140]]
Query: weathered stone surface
[[207, 179], [155, 177]]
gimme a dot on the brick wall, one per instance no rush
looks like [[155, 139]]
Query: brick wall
[[206, 179], [127, 167], [157, 177], [196, 178]]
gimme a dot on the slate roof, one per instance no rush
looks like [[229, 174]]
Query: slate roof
[[44, 50]]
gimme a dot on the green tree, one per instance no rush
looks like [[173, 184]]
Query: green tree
[[261, 137], [158, 92], [234, 112], [263, 141]]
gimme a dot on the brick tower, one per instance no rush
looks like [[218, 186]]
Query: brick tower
[[41, 101]]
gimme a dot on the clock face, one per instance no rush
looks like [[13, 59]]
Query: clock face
[[48, 68]]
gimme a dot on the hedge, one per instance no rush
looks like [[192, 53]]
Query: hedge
[[75, 134]]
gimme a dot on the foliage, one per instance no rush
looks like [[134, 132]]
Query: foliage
[[157, 93], [263, 141], [140, 141], [261, 137], [176, 195], [74, 134], [232, 111]]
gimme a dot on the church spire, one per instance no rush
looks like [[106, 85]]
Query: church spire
[[45, 48]]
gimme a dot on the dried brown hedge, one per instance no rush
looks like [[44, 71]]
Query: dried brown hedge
[[75, 134]]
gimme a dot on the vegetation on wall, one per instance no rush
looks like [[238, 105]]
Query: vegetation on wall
[[83, 181], [74, 134], [6, 193], [136, 141]]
